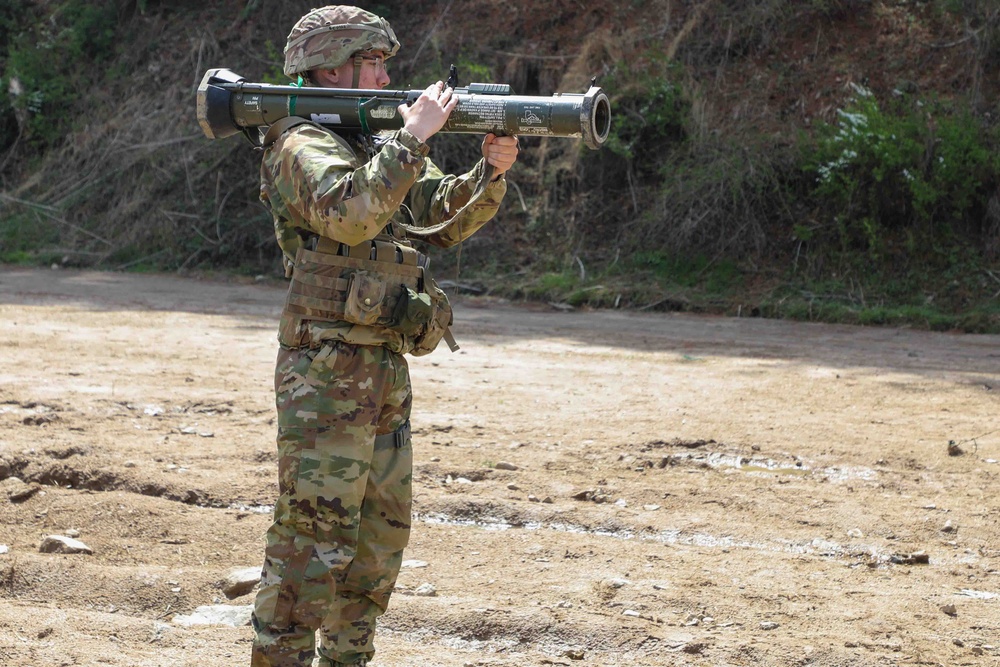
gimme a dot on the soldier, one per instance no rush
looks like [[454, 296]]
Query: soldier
[[360, 298]]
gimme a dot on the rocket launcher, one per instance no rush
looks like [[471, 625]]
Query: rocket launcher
[[228, 104]]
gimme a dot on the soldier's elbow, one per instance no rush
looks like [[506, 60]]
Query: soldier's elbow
[[352, 234]]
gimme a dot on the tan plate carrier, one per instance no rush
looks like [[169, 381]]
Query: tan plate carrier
[[364, 286]]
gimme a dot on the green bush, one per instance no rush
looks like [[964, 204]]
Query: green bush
[[910, 169], [714, 276], [54, 61], [24, 236], [651, 115]]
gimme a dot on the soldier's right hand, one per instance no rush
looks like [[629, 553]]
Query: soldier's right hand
[[429, 113]]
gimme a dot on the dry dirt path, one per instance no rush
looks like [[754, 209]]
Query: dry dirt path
[[688, 490]]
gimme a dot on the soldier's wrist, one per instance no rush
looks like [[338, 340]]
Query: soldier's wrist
[[411, 142]]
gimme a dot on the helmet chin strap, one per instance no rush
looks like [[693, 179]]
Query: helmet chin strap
[[365, 132], [358, 62]]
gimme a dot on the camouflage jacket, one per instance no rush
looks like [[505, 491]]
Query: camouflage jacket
[[317, 182]]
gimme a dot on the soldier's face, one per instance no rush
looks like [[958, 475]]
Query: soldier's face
[[374, 64]]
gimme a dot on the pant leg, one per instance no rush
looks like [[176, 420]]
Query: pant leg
[[329, 401], [347, 634]]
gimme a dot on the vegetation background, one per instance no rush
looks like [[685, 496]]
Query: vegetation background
[[832, 160]]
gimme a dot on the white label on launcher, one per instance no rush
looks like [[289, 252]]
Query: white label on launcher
[[326, 118]]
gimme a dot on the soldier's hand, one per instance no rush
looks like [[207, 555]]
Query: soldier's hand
[[501, 152], [428, 114]]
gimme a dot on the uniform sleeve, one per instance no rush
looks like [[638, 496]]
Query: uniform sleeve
[[324, 188], [437, 197]]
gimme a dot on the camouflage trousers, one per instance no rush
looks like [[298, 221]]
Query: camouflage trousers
[[342, 519]]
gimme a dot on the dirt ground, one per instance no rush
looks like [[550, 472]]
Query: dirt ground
[[688, 490]]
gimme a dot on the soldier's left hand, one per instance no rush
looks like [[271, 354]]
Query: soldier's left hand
[[501, 152]]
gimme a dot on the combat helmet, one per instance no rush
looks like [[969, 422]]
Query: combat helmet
[[327, 37]]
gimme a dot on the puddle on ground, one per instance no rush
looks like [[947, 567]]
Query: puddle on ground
[[860, 553], [758, 465], [751, 465], [253, 509], [800, 472]]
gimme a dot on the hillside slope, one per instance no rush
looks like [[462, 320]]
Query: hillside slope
[[705, 198]]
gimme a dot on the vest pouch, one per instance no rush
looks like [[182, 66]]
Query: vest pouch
[[365, 294], [413, 312], [437, 326]]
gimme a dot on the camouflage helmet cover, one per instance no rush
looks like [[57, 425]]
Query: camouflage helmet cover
[[327, 37]]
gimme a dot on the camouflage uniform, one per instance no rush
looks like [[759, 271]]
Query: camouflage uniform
[[343, 394]]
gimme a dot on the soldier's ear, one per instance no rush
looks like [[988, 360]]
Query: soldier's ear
[[325, 78]]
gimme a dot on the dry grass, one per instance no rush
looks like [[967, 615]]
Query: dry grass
[[136, 184]]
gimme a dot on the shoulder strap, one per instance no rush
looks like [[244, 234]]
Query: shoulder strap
[[280, 127]]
